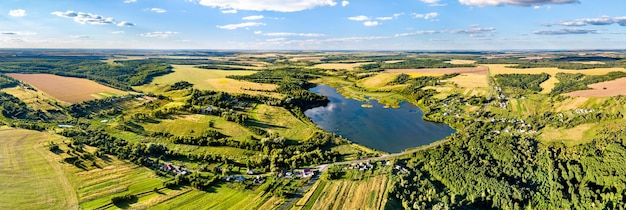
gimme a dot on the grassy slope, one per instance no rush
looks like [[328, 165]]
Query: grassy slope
[[31, 177], [281, 121]]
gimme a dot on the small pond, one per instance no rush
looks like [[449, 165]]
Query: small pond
[[386, 129]]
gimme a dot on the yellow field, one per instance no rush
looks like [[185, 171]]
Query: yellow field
[[210, 80], [31, 176], [344, 194], [346, 66], [461, 62], [377, 81], [570, 137], [69, 89], [547, 86], [34, 99], [474, 84], [279, 120]]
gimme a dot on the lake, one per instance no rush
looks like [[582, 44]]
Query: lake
[[386, 129]]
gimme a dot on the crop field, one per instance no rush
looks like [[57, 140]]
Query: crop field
[[603, 89], [221, 197], [440, 71], [458, 61], [205, 79], [345, 66], [69, 89], [344, 194], [377, 81], [36, 100], [279, 120], [472, 84], [547, 85], [31, 177]]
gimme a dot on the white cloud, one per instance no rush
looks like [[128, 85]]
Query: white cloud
[[17, 33], [294, 34], [79, 36], [601, 21], [371, 23], [384, 18], [159, 34], [267, 5], [359, 18], [426, 16], [432, 2], [88, 18], [515, 2], [344, 3], [566, 31], [258, 32], [240, 25], [118, 32], [474, 31], [229, 11], [17, 13], [253, 17], [130, 1], [124, 23], [276, 40], [396, 15], [157, 10]]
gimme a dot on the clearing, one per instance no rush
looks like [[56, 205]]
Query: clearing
[[69, 89], [346, 194], [205, 79], [570, 137], [603, 89], [32, 178]]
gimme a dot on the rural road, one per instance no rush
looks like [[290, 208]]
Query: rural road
[[323, 167]]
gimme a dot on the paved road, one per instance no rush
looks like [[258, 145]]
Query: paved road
[[323, 167]]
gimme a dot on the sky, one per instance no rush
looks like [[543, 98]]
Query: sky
[[314, 24]]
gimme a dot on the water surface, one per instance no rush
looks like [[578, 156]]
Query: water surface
[[386, 129]]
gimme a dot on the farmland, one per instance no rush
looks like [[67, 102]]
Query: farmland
[[223, 124], [32, 178], [603, 89], [68, 89], [210, 80]]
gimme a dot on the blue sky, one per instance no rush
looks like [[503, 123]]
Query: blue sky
[[314, 24]]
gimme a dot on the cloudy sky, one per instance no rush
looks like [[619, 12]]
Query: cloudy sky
[[314, 24]]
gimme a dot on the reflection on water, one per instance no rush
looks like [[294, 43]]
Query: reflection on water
[[385, 129]]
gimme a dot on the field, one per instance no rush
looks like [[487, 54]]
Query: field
[[69, 89], [345, 66], [440, 71], [204, 79], [31, 177], [603, 89], [570, 137], [458, 61], [547, 85], [279, 120], [345, 194], [473, 84], [36, 100]]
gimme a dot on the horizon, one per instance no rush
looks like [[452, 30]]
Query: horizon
[[317, 25]]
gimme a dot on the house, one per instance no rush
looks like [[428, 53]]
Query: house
[[250, 172], [209, 109]]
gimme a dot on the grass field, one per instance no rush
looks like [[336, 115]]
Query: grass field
[[458, 61], [281, 121], [345, 194], [547, 85], [69, 89], [204, 79], [377, 81], [570, 137], [31, 178], [34, 99]]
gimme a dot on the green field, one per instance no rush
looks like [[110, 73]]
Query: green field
[[279, 120], [31, 176]]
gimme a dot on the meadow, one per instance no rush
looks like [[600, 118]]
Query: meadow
[[31, 176], [346, 194], [205, 79], [68, 89]]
